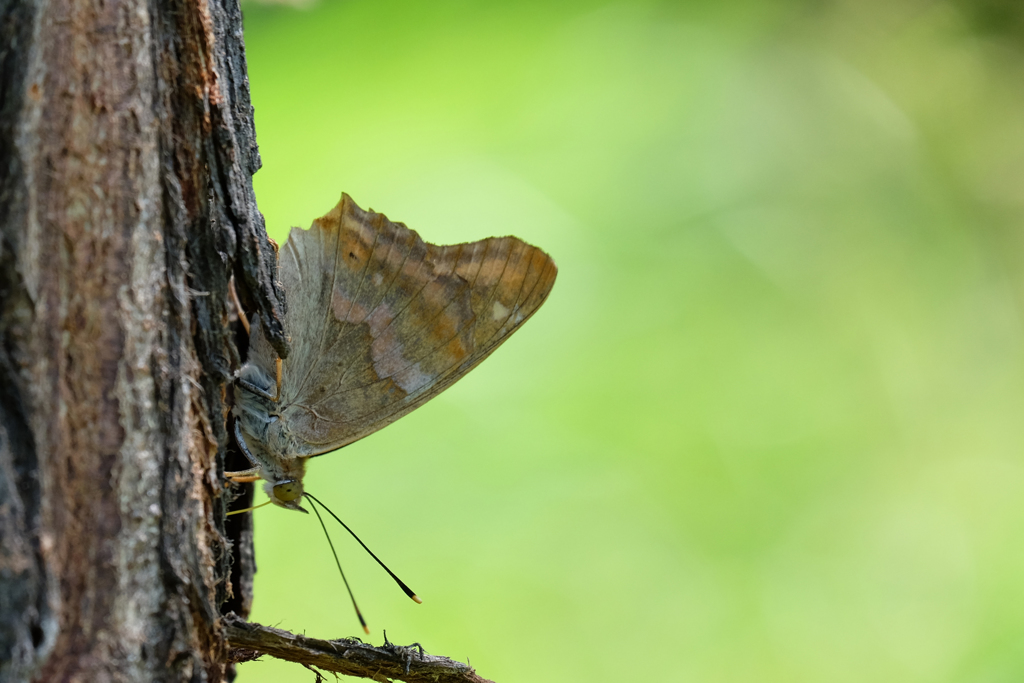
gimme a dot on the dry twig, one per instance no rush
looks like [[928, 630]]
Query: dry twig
[[351, 657]]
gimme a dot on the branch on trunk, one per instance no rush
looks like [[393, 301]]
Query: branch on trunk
[[351, 657]]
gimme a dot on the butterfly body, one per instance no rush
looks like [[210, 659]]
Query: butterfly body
[[379, 322]]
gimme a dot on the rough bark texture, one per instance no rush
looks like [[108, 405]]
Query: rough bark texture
[[126, 154]]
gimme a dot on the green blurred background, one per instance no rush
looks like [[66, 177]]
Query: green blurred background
[[769, 425]]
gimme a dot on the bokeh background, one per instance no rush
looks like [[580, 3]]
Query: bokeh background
[[769, 426]]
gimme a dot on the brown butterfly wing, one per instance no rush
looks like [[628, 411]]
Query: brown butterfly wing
[[381, 321]]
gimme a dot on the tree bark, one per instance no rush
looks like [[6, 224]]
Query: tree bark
[[126, 154]]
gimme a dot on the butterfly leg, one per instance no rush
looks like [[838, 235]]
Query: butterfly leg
[[251, 474], [278, 380], [259, 391], [242, 477], [252, 471], [238, 305]]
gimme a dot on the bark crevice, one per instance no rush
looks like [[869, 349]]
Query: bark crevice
[[126, 206]]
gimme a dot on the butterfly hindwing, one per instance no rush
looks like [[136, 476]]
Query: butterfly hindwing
[[381, 321]]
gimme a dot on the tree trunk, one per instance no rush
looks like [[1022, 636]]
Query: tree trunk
[[126, 154]]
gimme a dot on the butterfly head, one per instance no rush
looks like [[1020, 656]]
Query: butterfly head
[[287, 493]]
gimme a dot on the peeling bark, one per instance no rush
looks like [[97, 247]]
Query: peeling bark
[[126, 154]]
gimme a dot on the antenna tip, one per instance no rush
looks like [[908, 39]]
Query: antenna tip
[[416, 599], [366, 629]]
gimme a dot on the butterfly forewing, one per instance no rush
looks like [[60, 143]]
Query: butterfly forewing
[[380, 321]]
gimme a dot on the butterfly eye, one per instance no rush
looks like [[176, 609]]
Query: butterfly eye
[[287, 491]]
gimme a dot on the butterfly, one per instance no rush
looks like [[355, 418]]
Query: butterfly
[[379, 323]]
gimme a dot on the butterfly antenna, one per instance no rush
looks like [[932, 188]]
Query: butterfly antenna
[[323, 526], [401, 584]]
